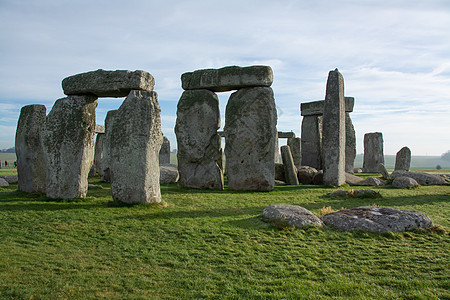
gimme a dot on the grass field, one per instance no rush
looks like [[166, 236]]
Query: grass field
[[211, 244]]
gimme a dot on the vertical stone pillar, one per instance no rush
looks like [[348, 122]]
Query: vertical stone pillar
[[198, 119], [136, 139], [373, 152], [250, 128], [164, 153], [31, 168], [350, 144], [403, 159], [296, 150], [98, 155], [106, 159], [290, 169], [311, 141], [68, 141], [333, 139]]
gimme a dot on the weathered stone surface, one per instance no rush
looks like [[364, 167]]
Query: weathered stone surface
[[198, 119], [136, 139], [363, 194], [377, 219], [11, 179], [106, 157], [295, 144], [318, 178], [306, 174], [3, 183], [383, 171], [289, 167], [277, 152], [373, 152], [353, 179], [280, 173], [403, 182], [372, 181], [421, 178], [99, 128], [311, 142], [350, 144], [31, 168], [315, 108], [250, 127], [104, 83], [98, 155], [68, 142], [228, 78], [333, 136], [286, 134], [290, 215], [164, 153], [168, 173], [403, 159]]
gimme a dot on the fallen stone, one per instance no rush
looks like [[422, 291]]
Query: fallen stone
[[168, 173], [280, 182], [372, 181], [365, 193], [357, 170], [421, 178], [289, 167], [103, 83], [403, 182], [228, 78], [11, 179], [383, 171], [306, 174], [353, 179], [290, 215], [377, 219], [3, 183], [403, 159], [318, 178]]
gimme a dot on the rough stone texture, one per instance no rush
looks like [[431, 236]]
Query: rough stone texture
[[290, 215], [403, 159], [136, 139], [11, 179], [280, 173], [98, 154], [168, 173], [403, 182], [106, 158], [353, 179], [286, 134], [164, 153], [383, 171], [306, 174], [333, 139], [31, 168], [350, 144], [289, 167], [363, 194], [250, 127], [373, 152], [228, 78], [68, 142], [311, 142], [315, 108], [318, 178], [295, 144], [103, 83], [277, 152], [3, 183], [372, 181], [99, 128], [377, 219], [198, 119], [421, 178]]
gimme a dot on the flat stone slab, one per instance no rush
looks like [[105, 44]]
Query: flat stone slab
[[286, 134], [421, 178], [291, 215], [168, 174], [377, 219], [227, 78], [315, 108], [104, 83], [403, 182]]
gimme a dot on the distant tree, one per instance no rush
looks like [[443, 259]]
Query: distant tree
[[438, 167], [446, 156]]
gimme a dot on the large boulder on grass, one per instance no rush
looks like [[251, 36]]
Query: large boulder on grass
[[353, 179], [168, 173], [306, 174], [377, 219], [403, 182], [290, 215], [372, 181], [3, 182], [421, 178]]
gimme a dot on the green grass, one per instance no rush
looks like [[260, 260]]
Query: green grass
[[211, 244]]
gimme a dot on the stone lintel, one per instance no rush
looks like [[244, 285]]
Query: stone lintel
[[315, 108], [286, 134]]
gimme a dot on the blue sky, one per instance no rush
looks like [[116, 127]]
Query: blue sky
[[394, 56]]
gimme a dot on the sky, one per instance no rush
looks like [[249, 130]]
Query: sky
[[394, 57]]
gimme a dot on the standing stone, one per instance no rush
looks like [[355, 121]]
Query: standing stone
[[250, 128], [403, 159], [164, 153], [68, 141], [31, 169], [373, 152], [136, 139], [350, 144], [295, 144], [333, 139], [106, 159], [198, 119], [289, 168], [311, 142], [277, 152], [98, 155]]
